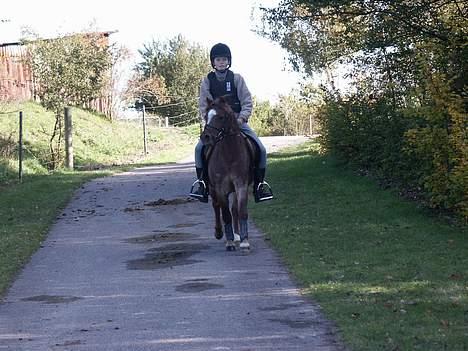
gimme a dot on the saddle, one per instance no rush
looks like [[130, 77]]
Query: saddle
[[252, 146]]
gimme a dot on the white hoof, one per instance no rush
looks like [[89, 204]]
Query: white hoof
[[245, 245], [236, 237]]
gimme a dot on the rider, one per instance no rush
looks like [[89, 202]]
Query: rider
[[224, 82]]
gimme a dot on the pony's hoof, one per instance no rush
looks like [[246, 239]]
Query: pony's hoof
[[244, 245], [236, 238], [230, 246], [219, 235]]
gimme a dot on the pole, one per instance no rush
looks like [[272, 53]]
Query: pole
[[310, 125], [144, 132], [167, 122], [20, 147], [68, 138]]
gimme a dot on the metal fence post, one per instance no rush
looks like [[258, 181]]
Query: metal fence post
[[20, 147], [68, 138]]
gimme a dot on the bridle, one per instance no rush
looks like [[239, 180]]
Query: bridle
[[221, 133]]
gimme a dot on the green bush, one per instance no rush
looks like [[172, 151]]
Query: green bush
[[422, 147]]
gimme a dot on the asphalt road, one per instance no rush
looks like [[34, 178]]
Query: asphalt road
[[132, 264]]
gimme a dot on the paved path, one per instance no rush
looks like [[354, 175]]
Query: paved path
[[132, 264]]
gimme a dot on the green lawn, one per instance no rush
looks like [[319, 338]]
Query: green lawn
[[389, 274]]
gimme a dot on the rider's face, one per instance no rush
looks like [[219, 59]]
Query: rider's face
[[221, 63]]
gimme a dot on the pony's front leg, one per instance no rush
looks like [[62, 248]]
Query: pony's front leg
[[227, 218], [235, 218], [242, 198], [218, 227]]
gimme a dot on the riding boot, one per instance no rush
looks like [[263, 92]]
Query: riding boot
[[199, 189], [262, 190]]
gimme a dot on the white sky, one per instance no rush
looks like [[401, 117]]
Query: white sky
[[262, 63]]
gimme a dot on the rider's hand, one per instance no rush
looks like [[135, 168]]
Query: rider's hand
[[240, 121]]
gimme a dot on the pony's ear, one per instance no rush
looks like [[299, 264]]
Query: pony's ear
[[209, 101]]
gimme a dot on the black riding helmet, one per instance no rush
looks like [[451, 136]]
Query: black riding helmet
[[220, 50]]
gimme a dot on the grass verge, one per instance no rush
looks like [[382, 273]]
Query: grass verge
[[28, 209], [392, 277], [26, 212]]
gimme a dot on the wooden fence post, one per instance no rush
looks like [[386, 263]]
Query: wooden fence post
[[310, 125], [68, 138], [144, 132], [20, 147]]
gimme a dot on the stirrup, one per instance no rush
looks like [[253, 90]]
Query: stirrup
[[267, 193], [202, 197]]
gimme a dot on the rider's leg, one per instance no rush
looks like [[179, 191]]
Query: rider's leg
[[262, 190], [199, 187]]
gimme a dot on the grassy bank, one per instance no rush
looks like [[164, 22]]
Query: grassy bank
[[97, 142], [28, 209], [392, 277]]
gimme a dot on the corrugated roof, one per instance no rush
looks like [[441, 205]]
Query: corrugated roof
[[17, 41]]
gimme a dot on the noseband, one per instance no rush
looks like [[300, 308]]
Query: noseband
[[221, 133]]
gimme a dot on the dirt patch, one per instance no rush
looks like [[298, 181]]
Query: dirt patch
[[197, 287], [281, 307], [176, 201], [167, 256], [70, 343], [164, 237], [52, 299], [133, 209], [193, 214], [183, 225], [296, 324]]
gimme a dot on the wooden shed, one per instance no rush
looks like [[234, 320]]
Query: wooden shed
[[17, 82]]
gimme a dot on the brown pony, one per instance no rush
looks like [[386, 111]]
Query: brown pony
[[230, 166]]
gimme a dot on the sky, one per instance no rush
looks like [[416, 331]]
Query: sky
[[262, 63]]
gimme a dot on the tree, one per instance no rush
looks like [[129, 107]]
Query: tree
[[178, 67], [68, 71], [408, 63], [261, 119]]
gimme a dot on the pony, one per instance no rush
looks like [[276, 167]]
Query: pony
[[230, 162]]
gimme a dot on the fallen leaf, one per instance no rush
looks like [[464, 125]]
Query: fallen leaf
[[456, 276]]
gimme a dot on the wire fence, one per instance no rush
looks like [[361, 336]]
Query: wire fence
[[14, 149]]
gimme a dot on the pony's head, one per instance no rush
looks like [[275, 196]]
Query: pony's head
[[220, 122]]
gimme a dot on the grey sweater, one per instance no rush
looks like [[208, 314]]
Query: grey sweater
[[243, 94]]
